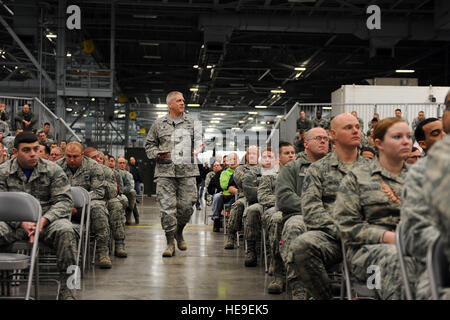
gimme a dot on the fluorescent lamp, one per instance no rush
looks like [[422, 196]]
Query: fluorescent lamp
[[195, 66], [241, 121], [262, 122], [93, 99], [196, 105], [250, 118], [261, 107], [327, 108], [216, 118], [235, 128], [280, 116], [209, 66], [193, 89], [252, 112], [278, 91], [161, 105], [68, 54], [404, 71], [214, 121], [69, 109], [116, 111], [219, 114], [299, 68], [51, 36], [144, 43]]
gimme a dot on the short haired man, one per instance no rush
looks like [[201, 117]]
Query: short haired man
[[174, 141], [303, 123], [44, 152], [26, 119], [48, 183], [288, 191], [55, 154], [416, 121], [367, 152], [47, 128], [414, 156], [428, 132], [86, 173], [128, 190], [398, 115], [319, 248]]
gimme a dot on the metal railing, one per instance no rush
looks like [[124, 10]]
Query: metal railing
[[59, 127], [287, 126]]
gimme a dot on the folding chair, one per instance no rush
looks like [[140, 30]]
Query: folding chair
[[352, 285], [142, 197], [437, 268], [21, 206], [82, 199], [401, 250]]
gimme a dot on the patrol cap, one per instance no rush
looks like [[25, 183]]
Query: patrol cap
[[24, 137]]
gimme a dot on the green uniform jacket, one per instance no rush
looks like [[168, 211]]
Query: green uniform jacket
[[224, 179], [48, 183], [319, 191], [288, 187], [363, 211], [266, 191]]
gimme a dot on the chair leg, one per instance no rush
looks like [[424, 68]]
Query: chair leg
[[264, 249]]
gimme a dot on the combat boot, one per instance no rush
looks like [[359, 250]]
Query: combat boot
[[120, 249], [170, 250], [179, 237], [103, 260], [66, 293], [298, 291], [136, 215], [250, 256], [128, 216], [230, 241], [276, 286]]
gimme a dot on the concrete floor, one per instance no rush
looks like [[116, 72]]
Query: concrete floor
[[204, 272]]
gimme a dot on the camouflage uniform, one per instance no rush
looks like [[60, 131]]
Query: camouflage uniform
[[114, 206], [311, 253], [364, 212], [175, 183], [252, 224], [416, 217], [322, 122], [304, 124], [4, 128], [238, 207], [50, 186], [436, 193], [208, 178], [90, 176]]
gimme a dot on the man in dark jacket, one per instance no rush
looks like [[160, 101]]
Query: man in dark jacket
[[136, 172]]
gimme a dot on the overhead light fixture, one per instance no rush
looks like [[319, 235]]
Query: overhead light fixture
[[327, 108], [121, 116], [161, 105], [252, 112], [68, 54], [280, 116], [146, 43], [209, 66], [241, 121], [194, 105], [404, 71], [93, 99], [219, 114], [51, 36], [214, 121], [195, 66], [235, 128], [299, 68], [145, 16], [216, 118], [278, 91], [69, 109], [85, 115], [152, 57], [261, 107], [193, 89], [250, 118], [116, 111], [262, 122]]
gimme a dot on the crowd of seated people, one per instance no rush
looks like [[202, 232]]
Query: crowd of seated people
[[339, 190], [37, 165]]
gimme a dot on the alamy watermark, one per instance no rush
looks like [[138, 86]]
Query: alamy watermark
[[374, 280]]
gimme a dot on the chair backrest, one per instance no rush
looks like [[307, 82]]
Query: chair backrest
[[19, 206], [438, 267], [79, 196]]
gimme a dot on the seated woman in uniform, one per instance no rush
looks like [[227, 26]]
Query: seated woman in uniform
[[367, 210]]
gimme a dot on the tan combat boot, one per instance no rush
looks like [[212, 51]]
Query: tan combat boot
[[170, 250], [179, 237], [120, 249], [103, 260], [230, 242]]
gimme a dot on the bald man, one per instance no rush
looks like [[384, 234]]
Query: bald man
[[86, 173], [312, 253]]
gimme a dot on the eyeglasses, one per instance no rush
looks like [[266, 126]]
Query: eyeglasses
[[319, 138]]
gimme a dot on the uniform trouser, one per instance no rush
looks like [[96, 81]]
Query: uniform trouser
[[58, 235], [272, 224], [236, 213], [131, 196], [176, 199], [217, 205], [100, 224], [382, 257], [311, 254], [291, 230], [123, 200], [252, 225], [116, 218]]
